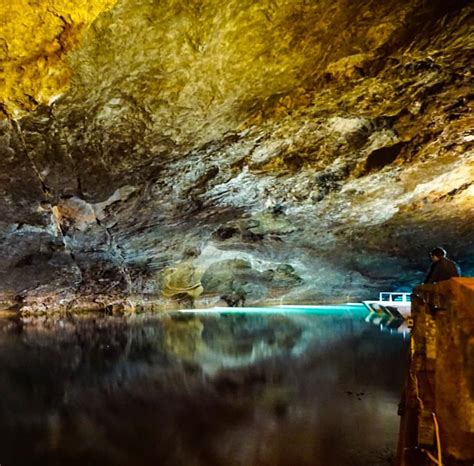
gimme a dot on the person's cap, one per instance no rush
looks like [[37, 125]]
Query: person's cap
[[438, 252]]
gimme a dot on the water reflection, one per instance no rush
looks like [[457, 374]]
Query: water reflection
[[195, 390], [389, 324]]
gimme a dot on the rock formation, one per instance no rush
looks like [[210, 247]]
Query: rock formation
[[303, 151], [35, 38]]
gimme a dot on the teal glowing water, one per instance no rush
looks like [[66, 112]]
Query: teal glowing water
[[288, 386], [349, 309]]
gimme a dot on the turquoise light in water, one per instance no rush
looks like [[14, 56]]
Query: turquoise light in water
[[285, 309]]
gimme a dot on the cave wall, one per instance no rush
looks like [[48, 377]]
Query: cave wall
[[296, 151]]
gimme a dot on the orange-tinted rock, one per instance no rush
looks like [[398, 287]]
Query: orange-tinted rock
[[443, 365]]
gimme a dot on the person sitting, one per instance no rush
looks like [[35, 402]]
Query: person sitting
[[441, 268]]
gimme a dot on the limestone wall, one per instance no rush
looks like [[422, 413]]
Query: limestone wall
[[441, 378]]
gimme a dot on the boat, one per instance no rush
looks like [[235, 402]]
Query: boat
[[393, 304]]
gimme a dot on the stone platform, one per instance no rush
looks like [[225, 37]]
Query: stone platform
[[439, 392]]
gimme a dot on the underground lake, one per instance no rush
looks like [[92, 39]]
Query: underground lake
[[270, 387]]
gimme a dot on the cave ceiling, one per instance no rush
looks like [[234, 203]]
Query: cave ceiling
[[274, 150]]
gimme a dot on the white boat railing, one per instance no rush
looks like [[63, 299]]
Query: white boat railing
[[395, 297]]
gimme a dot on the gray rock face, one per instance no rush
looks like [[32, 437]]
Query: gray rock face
[[327, 147]]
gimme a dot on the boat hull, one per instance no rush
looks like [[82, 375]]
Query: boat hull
[[391, 308]]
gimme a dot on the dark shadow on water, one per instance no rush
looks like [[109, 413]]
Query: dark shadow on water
[[235, 390]]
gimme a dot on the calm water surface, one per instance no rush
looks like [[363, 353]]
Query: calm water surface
[[300, 388]]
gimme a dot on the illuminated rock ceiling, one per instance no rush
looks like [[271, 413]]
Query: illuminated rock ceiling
[[35, 37], [199, 149]]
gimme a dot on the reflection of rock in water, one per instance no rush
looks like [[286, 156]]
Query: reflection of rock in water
[[182, 337], [230, 341], [146, 391]]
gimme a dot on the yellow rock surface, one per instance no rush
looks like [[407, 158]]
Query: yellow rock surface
[[182, 280], [35, 37], [201, 68]]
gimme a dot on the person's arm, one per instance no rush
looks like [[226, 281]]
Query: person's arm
[[431, 277], [458, 270]]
